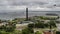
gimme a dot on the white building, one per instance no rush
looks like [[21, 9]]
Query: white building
[[23, 25], [58, 26]]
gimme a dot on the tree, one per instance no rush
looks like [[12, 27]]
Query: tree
[[27, 31], [38, 32], [31, 25], [3, 32], [41, 17], [39, 25], [46, 25], [9, 29], [58, 32], [52, 24]]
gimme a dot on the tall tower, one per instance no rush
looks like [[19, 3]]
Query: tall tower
[[26, 14]]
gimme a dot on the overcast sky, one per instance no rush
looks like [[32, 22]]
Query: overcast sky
[[39, 5]]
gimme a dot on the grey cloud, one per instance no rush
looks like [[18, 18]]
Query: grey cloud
[[31, 3], [21, 2]]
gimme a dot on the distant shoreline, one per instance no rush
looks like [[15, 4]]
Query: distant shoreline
[[21, 14]]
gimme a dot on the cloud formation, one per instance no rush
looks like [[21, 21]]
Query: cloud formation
[[40, 5]]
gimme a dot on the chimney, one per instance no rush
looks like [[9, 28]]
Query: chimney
[[26, 14]]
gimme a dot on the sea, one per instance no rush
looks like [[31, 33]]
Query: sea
[[22, 14]]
